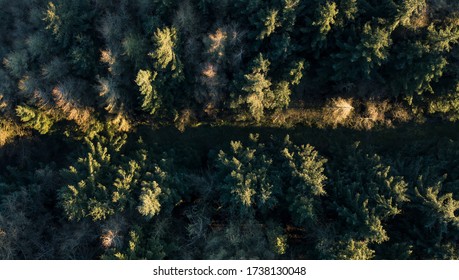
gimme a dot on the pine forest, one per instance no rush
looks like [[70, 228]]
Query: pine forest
[[229, 129]]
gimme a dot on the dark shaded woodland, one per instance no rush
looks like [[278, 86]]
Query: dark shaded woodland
[[229, 129]]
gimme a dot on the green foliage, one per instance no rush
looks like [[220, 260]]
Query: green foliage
[[248, 178], [441, 208], [37, 43], [296, 72], [258, 87], [364, 195], [68, 20], [280, 96], [278, 240], [139, 246], [260, 94], [356, 250], [82, 55], [304, 170], [408, 10], [53, 19], [365, 55], [270, 24], [75, 185], [149, 204], [349, 8], [151, 101], [55, 69], [17, 63], [446, 105], [105, 182], [36, 119], [289, 13], [135, 48], [436, 224], [427, 59], [164, 55], [263, 180], [441, 38], [325, 18], [425, 68]]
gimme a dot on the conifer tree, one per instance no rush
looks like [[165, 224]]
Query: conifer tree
[[407, 11], [105, 182], [141, 244], [258, 88], [164, 54], [325, 18], [151, 101], [270, 24], [249, 181], [362, 58], [303, 171], [427, 58], [67, 20], [364, 195], [17, 63], [36, 119], [349, 8]]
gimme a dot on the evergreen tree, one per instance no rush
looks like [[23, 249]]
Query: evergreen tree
[[407, 11], [261, 95], [68, 19], [325, 18], [164, 55], [304, 172], [364, 195], [362, 58], [269, 24], [258, 87], [249, 181], [151, 101], [17, 63], [36, 119]]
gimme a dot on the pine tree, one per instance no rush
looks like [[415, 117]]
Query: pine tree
[[17, 63], [149, 204], [296, 72], [141, 244], [364, 195], [55, 70], [289, 14], [164, 55], [349, 8], [86, 194], [249, 181], [135, 48], [106, 182], [355, 250], [360, 59], [270, 23], [407, 11], [437, 226], [325, 18], [258, 87], [36, 119], [303, 170], [68, 20], [262, 94], [151, 101]]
